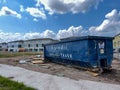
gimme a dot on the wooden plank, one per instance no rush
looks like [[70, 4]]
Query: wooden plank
[[38, 58], [92, 73], [37, 62]]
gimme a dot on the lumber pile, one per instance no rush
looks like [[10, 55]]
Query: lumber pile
[[38, 60]]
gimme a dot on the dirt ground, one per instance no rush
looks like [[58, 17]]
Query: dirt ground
[[112, 76]]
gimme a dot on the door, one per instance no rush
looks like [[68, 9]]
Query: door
[[102, 58]]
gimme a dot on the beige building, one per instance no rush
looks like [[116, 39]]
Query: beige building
[[116, 42]]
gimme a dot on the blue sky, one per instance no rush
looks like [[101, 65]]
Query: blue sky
[[26, 19]]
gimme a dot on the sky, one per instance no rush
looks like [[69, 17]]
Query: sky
[[29, 19]]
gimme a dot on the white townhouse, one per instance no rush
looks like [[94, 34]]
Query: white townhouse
[[36, 45], [32, 45], [3, 46], [16, 46]]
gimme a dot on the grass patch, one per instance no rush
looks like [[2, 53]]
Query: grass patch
[[15, 54], [7, 84]]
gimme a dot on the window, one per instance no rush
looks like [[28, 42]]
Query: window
[[115, 44], [36, 45], [12, 46], [40, 49], [42, 45], [118, 43], [28, 45], [11, 50], [30, 50], [19, 46], [35, 50]]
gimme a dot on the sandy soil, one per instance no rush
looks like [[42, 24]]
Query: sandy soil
[[112, 76]]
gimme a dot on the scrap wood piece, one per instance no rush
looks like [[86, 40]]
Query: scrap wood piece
[[37, 62], [38, 58], [92, 73]]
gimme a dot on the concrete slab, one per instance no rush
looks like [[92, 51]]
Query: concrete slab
[[42, 81]]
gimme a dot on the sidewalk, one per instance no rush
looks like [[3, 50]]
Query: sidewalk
[[42, 81]]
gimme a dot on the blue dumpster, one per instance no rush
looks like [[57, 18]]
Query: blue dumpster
[[87, 51]]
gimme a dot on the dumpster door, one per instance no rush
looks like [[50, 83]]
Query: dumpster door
[[102, 59]]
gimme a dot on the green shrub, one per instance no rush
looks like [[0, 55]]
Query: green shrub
[[7, 84]]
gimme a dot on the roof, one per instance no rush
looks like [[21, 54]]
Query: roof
[[32, 40], [16, 41], [71, 39], [117, 35], [86, 37], [3, 43], [39, 39]]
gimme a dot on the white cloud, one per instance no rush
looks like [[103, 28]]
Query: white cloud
[[5, 11], [48, 34], [4, 37], [22, 8], [8, 36], [71, 32], [35, 19], [44, 34], [35, 12], [38, 3], [64, 6], [109, 27], [31, 35]]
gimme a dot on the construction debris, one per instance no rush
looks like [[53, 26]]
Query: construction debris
[[39, 56], [60, 74], [47, 67], [24, 61], [37, 62], [38, 59], [92, 73]]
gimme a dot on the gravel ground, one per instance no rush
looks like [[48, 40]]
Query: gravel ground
[[112, 77]]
